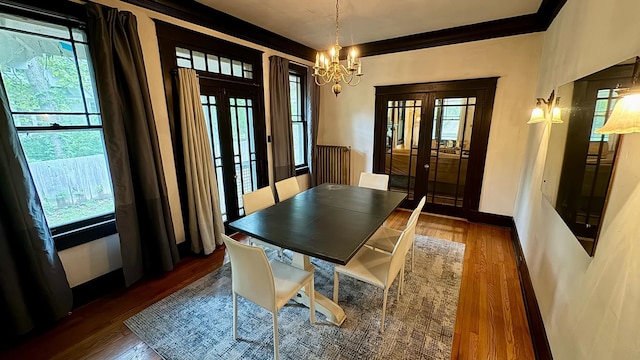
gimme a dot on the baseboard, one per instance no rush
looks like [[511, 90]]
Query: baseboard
[[534, 317], [491, 219], [98, 287]]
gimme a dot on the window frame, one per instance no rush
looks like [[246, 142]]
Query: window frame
[[301, 72], [89, 229]]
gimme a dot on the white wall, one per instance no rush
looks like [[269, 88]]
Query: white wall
[[96, 258], [349, 118], [590, 306]]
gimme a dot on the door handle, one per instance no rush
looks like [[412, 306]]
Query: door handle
[[426, 166]]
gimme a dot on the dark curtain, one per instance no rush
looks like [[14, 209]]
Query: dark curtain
[[281, 133], [143, 218], [313, 114], [34, 288]]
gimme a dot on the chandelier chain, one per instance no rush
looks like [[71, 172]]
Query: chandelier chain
[[337, 14]]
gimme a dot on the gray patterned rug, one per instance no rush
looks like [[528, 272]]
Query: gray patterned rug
[[195, 322]]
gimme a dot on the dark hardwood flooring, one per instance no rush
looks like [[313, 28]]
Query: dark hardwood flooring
[[491, 321]]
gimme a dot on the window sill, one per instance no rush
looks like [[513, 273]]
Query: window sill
[[84, 235], [302, 170]]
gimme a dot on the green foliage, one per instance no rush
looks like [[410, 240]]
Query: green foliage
[[41, 146]]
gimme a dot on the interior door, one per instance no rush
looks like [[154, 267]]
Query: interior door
[[431, 139], [402, 161], [450, 139], [230, 115]]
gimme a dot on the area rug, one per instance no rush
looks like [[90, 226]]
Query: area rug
[[196, 322]]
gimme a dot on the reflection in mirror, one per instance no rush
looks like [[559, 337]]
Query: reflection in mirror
[[580, 163]]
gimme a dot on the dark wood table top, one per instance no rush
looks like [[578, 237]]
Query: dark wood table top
[[329, 222]]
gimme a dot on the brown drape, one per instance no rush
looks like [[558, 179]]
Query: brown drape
[[313, 116], [281, 132], [34, 291], [143, 218]]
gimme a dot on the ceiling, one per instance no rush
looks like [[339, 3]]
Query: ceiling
[[312, 23]]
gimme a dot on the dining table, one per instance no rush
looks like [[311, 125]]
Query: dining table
[[330, 222]]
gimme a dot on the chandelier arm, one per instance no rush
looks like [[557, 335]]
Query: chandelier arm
[[358, 78]]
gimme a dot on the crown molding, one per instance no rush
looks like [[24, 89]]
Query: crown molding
[[203, 15], [517, 25]]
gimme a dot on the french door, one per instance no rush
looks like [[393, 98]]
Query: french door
[[236, 135], [431, 140]]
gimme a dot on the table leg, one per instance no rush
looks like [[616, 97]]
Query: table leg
[[324, 305]]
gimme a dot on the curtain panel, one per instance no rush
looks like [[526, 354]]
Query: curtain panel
[[313, 116], [143, 217], [205, 216], [33, 285], [281, 132]]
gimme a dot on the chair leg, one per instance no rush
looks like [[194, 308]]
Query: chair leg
[[312, 302], [384, 309], [276, 349], [399, 289], [336, 285], [235, 316], [413, 253]]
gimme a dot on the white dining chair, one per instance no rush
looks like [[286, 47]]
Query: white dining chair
[[287, 188], [385, 238], [258, 200], [374, 181], [377, 268], [268, 284]]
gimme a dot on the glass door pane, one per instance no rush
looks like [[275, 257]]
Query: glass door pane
[[210, 108], [401, 144], [449, 150], [244, 148]]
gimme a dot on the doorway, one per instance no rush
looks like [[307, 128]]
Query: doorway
[[232, 99], [431, 139]]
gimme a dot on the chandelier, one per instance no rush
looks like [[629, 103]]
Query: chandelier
[[329, 70]]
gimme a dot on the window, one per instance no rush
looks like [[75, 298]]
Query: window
[[298, 122], [605, 102], [216, 64], [47, 74]]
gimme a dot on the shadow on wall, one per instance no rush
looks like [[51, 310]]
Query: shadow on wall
[[358, 161]]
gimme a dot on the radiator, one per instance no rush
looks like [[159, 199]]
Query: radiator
[[333, 164]]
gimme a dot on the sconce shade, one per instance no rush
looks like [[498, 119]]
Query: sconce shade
[[537, 116], [556, 116], [625, 118]]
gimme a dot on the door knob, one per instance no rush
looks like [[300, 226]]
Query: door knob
[[426, 166]]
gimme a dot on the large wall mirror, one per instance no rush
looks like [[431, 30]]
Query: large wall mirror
[[580, 163]]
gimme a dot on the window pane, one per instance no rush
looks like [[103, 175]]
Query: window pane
[[213, 65], [298, 143], [79, 35], [39, 73], [225, 66], [69, 169], [86, 73], [185, 63], [33, 26], [237, 68], [49, 119], [182, 52], [198, 61]]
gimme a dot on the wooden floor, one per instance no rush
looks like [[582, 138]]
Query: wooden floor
[[491, 321]]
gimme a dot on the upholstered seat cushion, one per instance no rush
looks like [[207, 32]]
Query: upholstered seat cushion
[[287, 281], [367, 265], [384, 239]]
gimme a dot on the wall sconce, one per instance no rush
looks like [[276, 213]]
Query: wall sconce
[[547, 110], [625, 117]]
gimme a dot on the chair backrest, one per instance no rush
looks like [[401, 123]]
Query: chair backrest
[[404, 243], [287, 188], [374, 181], [258, 200], [251, 273]]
